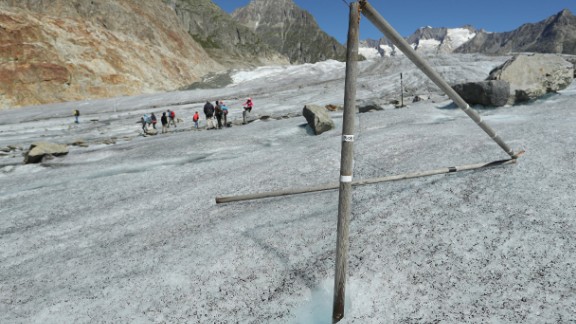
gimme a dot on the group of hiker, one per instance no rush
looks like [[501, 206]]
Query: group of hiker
[[217, 115], [168, 117]]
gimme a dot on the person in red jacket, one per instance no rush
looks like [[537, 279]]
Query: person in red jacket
[[248, 105], [195, 119], [247, 108], [171, 117]]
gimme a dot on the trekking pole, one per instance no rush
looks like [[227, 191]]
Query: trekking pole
[[369, 12]]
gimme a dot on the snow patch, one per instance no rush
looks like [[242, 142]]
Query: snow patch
[[283, 71], [369, 52], [425, 45], [458, 36]]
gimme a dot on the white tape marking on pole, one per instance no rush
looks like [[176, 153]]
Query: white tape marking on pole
[[347, 138], [345, 178]]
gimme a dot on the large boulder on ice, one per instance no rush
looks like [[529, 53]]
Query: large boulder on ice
[[534, 75], [318, 118], [493, 93], [39, 150]]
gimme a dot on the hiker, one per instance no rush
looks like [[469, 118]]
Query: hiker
[[147, 120], [218, 113], [143, 121], [171, 117], [247, 109], [76, 116], [248, 105], [209, 112], [195, 119], [153, 117], [164, 121], [224, 113]]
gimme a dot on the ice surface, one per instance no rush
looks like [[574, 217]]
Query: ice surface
[[127, 229]]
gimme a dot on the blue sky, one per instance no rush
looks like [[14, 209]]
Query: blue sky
[[408, 15]]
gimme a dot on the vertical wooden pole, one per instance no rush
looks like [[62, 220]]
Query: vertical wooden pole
[[346, 163], [369, 12], [401, 91]]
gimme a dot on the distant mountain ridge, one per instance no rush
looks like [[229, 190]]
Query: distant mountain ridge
[[290, 30], [425, 39], [556, 34]]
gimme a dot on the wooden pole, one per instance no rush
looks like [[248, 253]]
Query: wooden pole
[[369, 12], [332, 186], [401, 91], [346, 163]]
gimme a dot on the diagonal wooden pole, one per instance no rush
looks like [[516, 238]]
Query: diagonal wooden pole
[[346, 163], [369, 12]]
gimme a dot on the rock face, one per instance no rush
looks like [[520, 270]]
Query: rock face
[[82, 49], [39, 150], [556, 34], [290, 30], [226, 41], [317, 118], [531, 76], [493, 93]]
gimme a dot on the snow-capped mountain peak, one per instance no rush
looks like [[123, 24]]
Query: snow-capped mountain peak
[[426, 39]]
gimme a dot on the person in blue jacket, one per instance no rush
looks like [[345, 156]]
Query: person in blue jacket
[[224, 113]]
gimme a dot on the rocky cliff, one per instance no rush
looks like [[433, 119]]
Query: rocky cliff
[[556, 34], [81, 49], [226, 41], [290, 30]]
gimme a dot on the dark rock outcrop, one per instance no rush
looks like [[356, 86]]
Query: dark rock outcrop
[[369, 106], [493, 93]]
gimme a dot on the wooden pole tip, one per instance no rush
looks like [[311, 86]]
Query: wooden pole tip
[[519, 154]]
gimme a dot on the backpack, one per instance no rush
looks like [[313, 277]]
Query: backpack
[[195, 118], [209, 110], [172, 114], [218, 110]]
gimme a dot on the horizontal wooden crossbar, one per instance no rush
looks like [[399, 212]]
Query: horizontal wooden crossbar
[[332, 186]]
